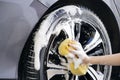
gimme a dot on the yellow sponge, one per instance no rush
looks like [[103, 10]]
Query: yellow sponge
[[63, 50], [81, 70], [63, 47]]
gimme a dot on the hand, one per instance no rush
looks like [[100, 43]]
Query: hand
[[79, 53]]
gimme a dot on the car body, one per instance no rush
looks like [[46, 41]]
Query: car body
[[18, 19]]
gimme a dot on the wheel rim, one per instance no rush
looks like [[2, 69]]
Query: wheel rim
[[74, 26]]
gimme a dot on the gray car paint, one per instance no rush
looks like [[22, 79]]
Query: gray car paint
[[17, 19]]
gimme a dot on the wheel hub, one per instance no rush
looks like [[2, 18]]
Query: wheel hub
[[57, 65], [78, 24]]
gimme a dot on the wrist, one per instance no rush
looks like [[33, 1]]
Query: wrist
[[86, 60]]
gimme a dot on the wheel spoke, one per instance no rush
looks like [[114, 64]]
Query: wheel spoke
[[54, 66], [76, 77], [94, 74], [70, 27], [52, 72], [55, 70], [94, 43], [77, 31], [67, 26], [96, 53]]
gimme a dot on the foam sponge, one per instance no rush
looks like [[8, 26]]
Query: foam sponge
[[63, 50], [63, 47], [81, 70]]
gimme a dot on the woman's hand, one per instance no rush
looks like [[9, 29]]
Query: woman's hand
[[79, 53]]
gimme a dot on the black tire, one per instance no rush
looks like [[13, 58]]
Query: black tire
[[44, 39]]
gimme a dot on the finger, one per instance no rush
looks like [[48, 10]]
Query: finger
[[74, 46], [77, 46], [77, 62], [70, 55], [75, 52]]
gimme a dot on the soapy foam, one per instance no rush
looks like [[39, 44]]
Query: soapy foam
[[43, 34]]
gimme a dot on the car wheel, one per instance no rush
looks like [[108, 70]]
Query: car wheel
[[40, 59]]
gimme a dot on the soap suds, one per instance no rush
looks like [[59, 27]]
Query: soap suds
[[47, 28]]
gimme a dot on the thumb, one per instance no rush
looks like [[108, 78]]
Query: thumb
[[77, 62]]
